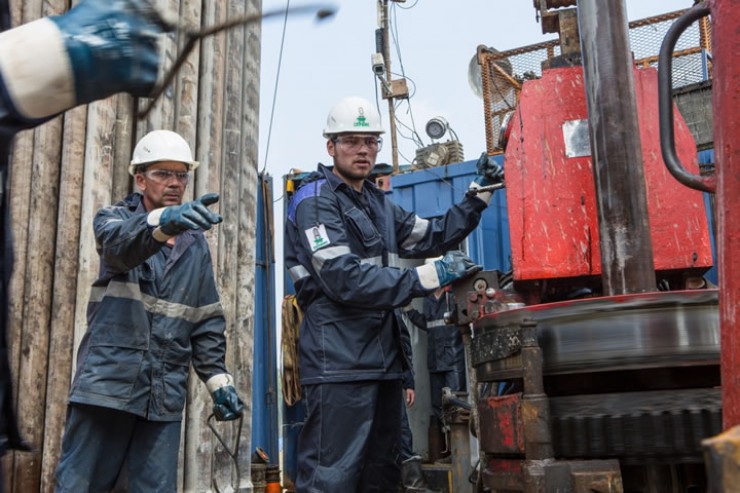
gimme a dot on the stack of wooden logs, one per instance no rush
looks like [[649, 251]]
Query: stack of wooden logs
[[68, 168]]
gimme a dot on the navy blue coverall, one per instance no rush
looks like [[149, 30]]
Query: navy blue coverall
[[341, 250], [445, 349], [153, 310]]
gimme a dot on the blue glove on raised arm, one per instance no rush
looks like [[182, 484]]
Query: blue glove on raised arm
[[96, 49], [176, 219], [453, 266], [226, 403], [487, 173]]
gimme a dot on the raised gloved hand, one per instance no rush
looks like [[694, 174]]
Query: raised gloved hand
[[453, 266], [176, 219], [226, 403], [98, 48], [489, 173]]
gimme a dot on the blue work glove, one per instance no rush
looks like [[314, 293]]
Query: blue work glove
[[226, 403], [453, 266], [489, 173], [176, 219], [95, 50]]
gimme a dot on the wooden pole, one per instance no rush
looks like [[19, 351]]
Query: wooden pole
[[65, 291], [228, 258], [198, 443], [242, 339], [20, 179]]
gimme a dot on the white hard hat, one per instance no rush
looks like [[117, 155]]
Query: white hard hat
[[353, 114], [161, 145]]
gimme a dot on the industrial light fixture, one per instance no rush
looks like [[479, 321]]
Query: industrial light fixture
[[438, 153], [437, 127]]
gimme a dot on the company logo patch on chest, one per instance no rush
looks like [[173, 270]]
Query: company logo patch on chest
[[317, 237]]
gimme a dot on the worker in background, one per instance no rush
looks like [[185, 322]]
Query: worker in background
[[343, 241], [445, 349], [153, 310], [412, 475], [46, 67]]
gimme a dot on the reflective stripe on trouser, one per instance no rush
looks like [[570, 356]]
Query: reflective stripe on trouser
[[98, 442], [349, 442]]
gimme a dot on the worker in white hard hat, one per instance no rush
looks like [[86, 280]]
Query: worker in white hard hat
[[344, 237], [153, 311], [48, 66]]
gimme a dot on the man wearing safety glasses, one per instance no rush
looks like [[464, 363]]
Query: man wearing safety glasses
[[344, 238], [153, 311]]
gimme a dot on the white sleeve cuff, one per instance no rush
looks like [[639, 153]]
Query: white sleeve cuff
[[484, 196], [36, 69], [219, 381], [428, 276], [152, 219]]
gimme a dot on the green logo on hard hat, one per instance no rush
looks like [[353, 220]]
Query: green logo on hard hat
[[361, 120]]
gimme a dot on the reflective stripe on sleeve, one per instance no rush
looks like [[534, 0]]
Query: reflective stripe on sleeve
[[417, 233], [436, 323], [329, 253], [298, 272]]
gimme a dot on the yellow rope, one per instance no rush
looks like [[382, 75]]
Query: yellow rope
[[292, 316]]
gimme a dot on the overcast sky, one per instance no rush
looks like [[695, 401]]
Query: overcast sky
[[323, 62]]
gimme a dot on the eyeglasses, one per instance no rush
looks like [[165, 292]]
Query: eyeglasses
[[165, 175], [355, 143]]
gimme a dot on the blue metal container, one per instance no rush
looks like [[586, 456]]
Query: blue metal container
[[430, 192]]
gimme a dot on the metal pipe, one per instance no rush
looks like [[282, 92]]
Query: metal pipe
[[726, 106], [665, 103], [626, 248]]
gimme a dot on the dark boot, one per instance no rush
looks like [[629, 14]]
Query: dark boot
[[412, 477]]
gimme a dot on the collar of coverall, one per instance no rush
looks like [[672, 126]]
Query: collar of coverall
[[337, 182]]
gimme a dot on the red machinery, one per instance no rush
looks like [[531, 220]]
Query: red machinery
[[608, 378]]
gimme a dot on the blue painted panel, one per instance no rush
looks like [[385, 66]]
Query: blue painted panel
[[264, 377], [430, 192], [707, 157]]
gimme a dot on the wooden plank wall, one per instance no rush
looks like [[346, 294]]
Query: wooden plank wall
[[65, 170]]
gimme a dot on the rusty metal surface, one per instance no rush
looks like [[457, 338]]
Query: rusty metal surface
[[536, 476], [647, 330], [722, 457], [557, 193], [726, 44], [635, 424], [502, 430], [621, 195]]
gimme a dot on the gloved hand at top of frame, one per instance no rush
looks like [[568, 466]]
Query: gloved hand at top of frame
[[95, 50], [453, 266], [176, 219], [226, 403]]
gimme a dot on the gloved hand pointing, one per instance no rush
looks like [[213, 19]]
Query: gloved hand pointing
[[226, 403], [176, 219], [453, 266]]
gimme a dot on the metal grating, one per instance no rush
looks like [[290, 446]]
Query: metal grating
[[502, 73]]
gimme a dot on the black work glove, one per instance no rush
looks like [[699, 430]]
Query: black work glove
[[489, 173]]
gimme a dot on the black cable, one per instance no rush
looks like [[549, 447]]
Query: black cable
[[277, 81]]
